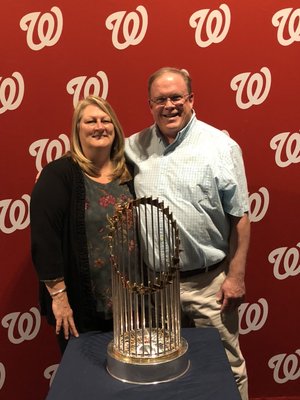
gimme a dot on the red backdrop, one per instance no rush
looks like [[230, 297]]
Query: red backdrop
[[244, 58]]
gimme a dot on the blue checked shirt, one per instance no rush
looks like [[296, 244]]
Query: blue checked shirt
[[201, 177]]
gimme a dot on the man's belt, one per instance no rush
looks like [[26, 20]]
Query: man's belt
[[192, 272]]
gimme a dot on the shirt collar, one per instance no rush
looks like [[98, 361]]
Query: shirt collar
[[181, 135]]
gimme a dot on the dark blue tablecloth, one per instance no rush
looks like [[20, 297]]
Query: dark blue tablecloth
[[82, 373]]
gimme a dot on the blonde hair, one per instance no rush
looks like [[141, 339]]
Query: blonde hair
[[117, 151]]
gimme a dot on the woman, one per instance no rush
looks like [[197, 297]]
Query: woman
[[70, 203]]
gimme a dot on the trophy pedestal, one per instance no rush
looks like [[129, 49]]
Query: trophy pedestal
[[148, 370]]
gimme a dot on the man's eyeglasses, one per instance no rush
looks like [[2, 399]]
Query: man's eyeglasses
[[177, 99]]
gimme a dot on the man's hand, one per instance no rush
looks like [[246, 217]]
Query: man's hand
[[231, 294]]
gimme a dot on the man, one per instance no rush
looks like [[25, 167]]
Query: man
[[198, 172]]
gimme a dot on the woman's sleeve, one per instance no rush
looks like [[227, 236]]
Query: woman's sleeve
[[49, 206]]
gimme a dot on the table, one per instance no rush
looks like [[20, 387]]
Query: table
[[82, 374]]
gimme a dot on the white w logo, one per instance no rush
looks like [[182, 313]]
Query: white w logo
[[287, 148], [89, 86], [286, 367], [132, 32], [11, 92], [46, 27], [254, 88], [288, 22], [211, 26]]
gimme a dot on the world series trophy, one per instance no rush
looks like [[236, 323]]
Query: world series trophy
[[147, 346]]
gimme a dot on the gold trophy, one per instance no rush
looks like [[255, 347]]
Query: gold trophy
[[147, 346]]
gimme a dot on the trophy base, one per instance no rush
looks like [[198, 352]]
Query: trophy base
[[147, 371]]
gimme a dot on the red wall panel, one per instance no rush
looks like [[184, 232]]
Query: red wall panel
[[244, 59]]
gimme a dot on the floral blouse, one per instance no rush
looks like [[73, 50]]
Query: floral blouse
[[101, 200]]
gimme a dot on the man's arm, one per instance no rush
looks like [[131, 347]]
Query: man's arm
[[232, 291]]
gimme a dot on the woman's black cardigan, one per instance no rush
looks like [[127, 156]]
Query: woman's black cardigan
[[58, 239]]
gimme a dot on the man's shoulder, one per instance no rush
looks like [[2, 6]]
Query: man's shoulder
[[207, 128], [140, 135], [142, 140], [213, 134]]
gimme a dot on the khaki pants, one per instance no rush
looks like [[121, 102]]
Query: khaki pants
[[200, 309]]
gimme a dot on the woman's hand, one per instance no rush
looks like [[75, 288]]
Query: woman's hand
[[62, 311], [64, 315]]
